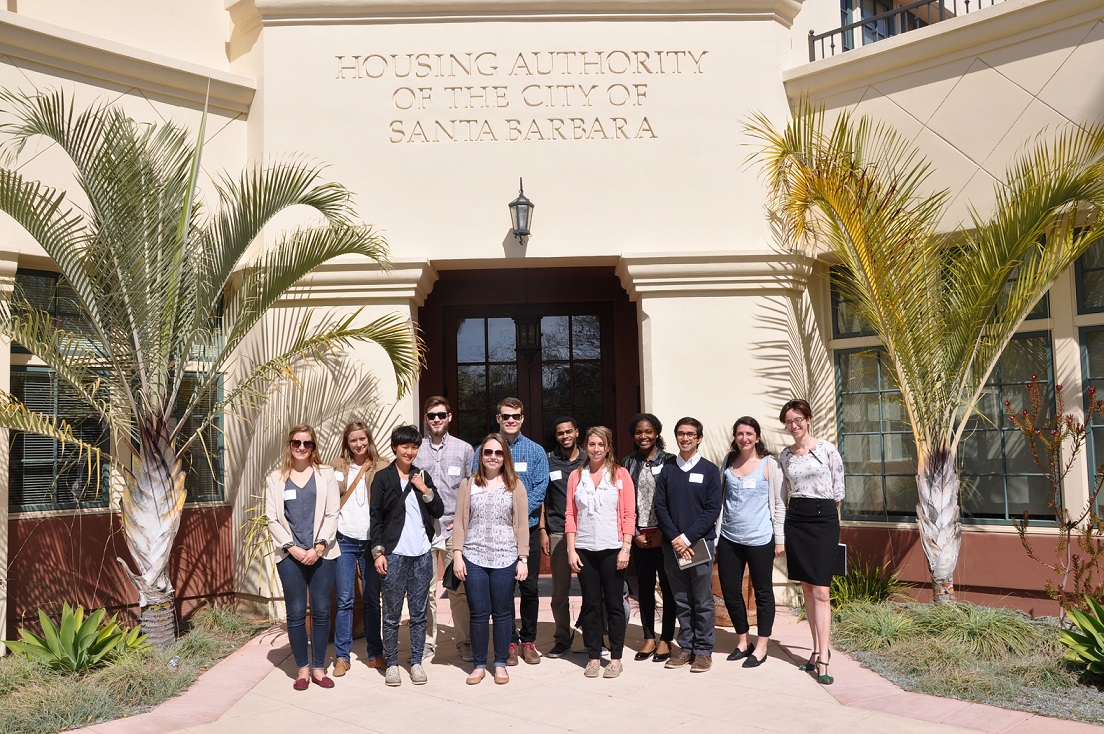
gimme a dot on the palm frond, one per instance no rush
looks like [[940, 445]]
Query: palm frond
[[285, 264], [403, 347]]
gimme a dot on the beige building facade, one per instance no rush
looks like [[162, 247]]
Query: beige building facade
[[651, 267]]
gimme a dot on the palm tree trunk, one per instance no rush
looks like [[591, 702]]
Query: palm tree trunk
[[937, 514], [151, 517]]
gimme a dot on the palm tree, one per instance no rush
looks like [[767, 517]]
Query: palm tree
[[166, 289], [944, 305]]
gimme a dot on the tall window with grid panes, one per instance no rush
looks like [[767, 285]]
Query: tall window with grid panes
[[998, 477], [45, 475]]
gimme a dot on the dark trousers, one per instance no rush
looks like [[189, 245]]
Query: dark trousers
[[530, 593], [490, 598], [354, 554], [600, 582], [407, 576], [649, 566], [693, 590], [759, 559], [299, 581]]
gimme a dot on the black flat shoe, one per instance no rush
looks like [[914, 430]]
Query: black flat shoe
[[739, 654], [754, 662], [662, 657], [643, 655]]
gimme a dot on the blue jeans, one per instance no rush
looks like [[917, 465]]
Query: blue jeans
[[355, 553], [490, 595], [407, 576], [299, 580]]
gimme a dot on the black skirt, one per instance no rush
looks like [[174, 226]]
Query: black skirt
[[812, 536]]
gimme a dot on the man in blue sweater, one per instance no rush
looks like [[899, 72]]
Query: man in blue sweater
[[687, 504]]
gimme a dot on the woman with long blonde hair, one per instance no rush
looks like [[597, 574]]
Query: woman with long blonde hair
[[355, 468], [301, 502]]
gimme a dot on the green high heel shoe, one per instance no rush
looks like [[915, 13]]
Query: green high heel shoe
[[825, 679], [810, 666]]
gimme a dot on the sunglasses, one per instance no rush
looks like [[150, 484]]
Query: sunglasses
[[438, 416], [494, 452], [296, 443], [510, 416]]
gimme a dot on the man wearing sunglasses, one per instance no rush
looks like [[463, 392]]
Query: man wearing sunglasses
[[446, 459], [531, 465]]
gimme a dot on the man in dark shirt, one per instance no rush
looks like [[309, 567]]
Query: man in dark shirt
[[687, 504], [562, 460]]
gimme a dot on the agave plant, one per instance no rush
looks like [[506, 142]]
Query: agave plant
[[1086, 644], [77, 643], [169, 285]]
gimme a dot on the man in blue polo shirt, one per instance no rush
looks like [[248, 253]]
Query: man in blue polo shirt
[[531, 465], [687, 504]]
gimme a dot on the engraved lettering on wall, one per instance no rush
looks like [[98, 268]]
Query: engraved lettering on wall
[[527, 96]]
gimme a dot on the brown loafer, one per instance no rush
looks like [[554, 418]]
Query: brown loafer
[[678, 659], [379, 663], [529, 653], [702, 663], [613, 670], [512, 656]]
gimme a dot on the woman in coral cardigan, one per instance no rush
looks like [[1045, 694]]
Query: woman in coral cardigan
[[599, 527]]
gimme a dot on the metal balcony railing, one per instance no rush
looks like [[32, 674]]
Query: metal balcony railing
[[894, 22]]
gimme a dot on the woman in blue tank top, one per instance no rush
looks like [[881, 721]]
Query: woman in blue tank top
[[751, 535]]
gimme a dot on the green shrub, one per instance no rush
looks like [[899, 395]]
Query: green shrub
[[222, 619], [1086, 645], [866, 582], [77, 644], [988, 632], [866, 626]]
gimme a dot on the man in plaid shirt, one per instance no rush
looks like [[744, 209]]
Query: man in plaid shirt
[[447, 459]]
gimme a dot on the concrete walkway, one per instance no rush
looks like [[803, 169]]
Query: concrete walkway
[[251, 691]]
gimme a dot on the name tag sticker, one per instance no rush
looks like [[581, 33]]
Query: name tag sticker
[[696, 478], [656, 470], [555, 476], [749, 483], [454, 471], [521, 466], [289, 494]]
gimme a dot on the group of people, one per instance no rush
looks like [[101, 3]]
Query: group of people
[[486, 516]]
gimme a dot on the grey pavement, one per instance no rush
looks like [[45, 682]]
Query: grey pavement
[[251, 691]]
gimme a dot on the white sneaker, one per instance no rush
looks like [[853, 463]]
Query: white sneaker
[[393, 678]]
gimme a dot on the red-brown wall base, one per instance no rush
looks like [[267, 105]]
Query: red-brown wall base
[[993, 568], [72, 559]]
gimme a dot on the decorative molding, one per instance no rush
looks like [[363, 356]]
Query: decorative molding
[[1011, 22], [85, 57], [693, 274], [359, 281], [373, 11]]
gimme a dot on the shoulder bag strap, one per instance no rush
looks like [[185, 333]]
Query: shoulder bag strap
[[352, 485]]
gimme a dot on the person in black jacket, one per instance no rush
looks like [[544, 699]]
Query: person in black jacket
[[644, 465], [687, 503], [403, 495]]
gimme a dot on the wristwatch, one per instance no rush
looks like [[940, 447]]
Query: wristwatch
[[377, 551], [523, 560]]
